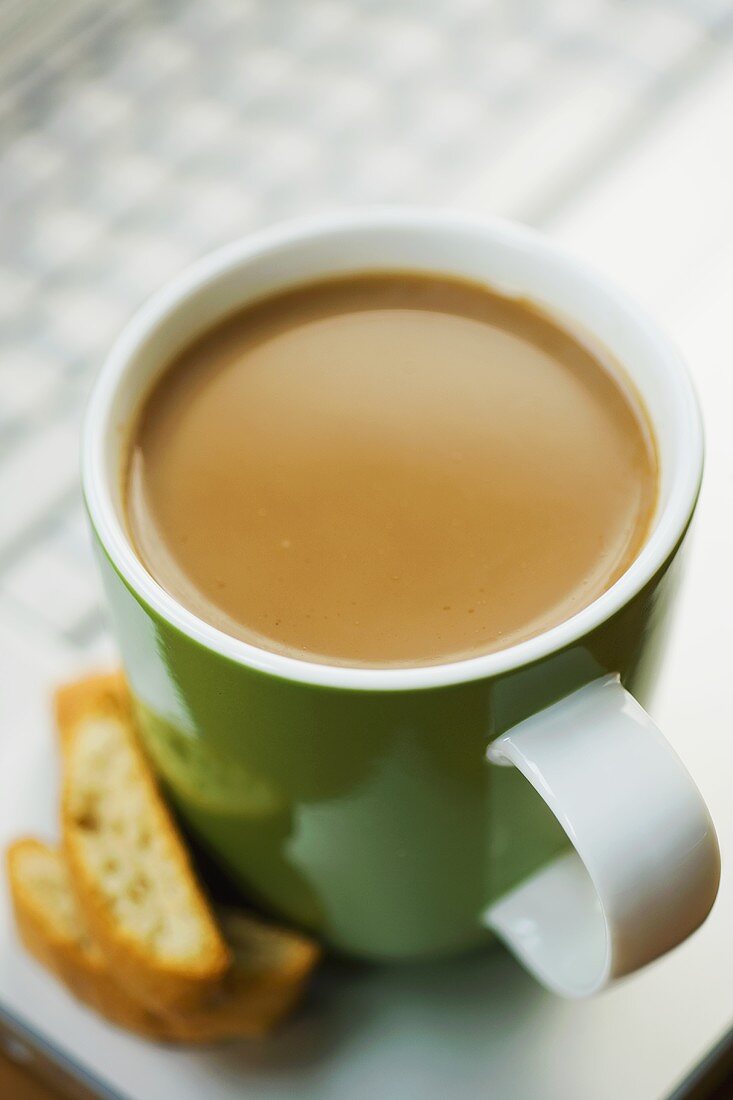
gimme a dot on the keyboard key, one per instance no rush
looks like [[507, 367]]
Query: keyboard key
[[72, 538], [16, 289], [34, 477], [566, 135], [28, 378], [56, 589]]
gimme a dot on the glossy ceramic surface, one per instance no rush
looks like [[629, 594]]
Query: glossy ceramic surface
[[359, 802]]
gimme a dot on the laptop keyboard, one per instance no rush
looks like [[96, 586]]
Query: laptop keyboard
[[135, 137]]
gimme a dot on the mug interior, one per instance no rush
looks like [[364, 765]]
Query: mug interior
[[508, 258]]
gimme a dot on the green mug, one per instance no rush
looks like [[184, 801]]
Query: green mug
[[414, 812]]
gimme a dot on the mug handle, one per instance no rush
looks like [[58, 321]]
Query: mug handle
[[644, 870]]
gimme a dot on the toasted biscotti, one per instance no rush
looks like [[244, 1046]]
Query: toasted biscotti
[[49, 925], [270, 971], [130, 871]]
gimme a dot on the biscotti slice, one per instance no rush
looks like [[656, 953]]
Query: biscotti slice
[[272, 966], [49, 925], [270, 973], [271, 969], [102, 693], [130, 870]]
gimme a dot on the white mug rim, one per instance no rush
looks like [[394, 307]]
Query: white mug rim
[[669, 528]]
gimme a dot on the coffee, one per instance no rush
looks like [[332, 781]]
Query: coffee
[[385, 470]]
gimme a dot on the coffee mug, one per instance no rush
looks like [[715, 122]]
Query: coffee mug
[[413, 812]]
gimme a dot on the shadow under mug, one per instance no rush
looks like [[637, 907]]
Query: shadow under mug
[[402, 813]]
